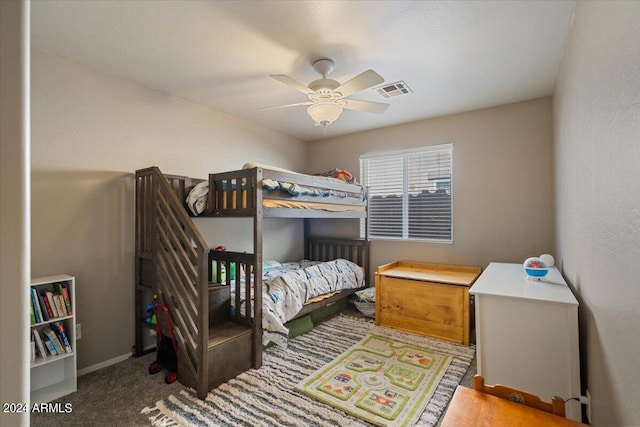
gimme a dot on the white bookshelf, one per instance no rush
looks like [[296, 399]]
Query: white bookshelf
[[54, 376]]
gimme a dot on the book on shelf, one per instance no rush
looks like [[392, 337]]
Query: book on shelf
[[32, 316], [46, 306], [61, 289], [58, 328], [42, 307], [52, 305], [67, 300], [50, 348], [59, 300], [35, 305], [33, 351], [54, 340], [39, 345]]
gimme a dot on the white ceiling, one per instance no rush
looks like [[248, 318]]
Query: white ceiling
[[455, 55]]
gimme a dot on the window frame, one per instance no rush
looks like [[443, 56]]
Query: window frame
[[406, 153]]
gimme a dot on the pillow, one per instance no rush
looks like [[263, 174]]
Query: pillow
[[252, 165], [368, 295], [197, 198], [270, 265]]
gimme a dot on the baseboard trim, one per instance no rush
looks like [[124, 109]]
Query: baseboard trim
[[104, 364], [110, 362]]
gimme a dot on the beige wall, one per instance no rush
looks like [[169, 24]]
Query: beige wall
[[90, 132], [14, 210], [502, 180], [596, 112]]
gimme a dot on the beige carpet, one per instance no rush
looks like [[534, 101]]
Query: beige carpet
[[113, 396], [267, 397]]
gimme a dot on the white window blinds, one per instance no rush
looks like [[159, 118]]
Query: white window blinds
[[410, 194]]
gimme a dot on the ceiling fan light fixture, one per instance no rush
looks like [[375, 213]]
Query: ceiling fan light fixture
[[324, 113], [328, 97]]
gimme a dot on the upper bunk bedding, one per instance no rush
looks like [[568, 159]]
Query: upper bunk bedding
[[287, 287], [335, 191]]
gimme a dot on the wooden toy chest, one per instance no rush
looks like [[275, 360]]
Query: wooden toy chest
[[426, 299]]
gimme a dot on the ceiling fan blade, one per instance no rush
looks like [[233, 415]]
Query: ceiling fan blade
[[368, 106], [360, 82], [282, 78], [287, 105]]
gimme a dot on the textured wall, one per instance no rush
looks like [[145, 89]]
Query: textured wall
[[91, 131], [596, 112], [502, 180]]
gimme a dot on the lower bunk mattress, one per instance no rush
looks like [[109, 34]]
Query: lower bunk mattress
[[287, 287]]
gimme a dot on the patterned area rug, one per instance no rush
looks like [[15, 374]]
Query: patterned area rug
[[380, 380], [266, 396]]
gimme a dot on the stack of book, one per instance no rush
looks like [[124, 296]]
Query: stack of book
[[52, 340], [50, 304]]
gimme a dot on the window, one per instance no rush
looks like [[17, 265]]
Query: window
[[410, 194]]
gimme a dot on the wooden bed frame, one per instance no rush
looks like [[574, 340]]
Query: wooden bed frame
[[175, 264]]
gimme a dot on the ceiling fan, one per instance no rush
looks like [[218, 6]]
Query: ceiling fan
[[327, 97]]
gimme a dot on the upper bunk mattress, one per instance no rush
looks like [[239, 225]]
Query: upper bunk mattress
[[284, 189]]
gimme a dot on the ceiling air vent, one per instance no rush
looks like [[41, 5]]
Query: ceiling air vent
[[394, 89]]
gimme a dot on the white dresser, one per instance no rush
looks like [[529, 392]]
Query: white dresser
[[527, 333]]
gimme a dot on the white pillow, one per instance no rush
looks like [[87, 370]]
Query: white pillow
[[270, 265], [252, 165], [197, 198]]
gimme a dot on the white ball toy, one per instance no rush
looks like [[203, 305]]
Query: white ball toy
[[548, 259]]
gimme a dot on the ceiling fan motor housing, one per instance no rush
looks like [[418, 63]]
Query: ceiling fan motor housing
[[320, 84], [324, 66]]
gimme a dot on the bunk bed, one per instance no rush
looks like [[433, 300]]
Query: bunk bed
[[219, 319]]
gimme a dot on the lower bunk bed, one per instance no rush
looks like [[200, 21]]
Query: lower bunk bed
[[217, 337], [291, 290]]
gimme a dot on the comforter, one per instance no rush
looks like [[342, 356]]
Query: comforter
[[287, 288]]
